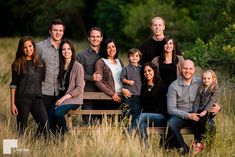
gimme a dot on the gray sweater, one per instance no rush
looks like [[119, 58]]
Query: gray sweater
[[76, 85], [205, 99]]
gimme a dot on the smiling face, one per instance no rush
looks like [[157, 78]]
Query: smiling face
[[188, 70], [95, 38], [28, 49], [148, 73], [169, 46], [57, 32], [158, 27], [111, 50], [66, 51], [207, 79], [134, 58]]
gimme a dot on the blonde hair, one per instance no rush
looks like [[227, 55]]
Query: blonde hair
[[158, 18], [214, 79], [133, 51]]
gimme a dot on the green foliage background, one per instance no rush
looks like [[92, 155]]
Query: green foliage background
[[204, 29]]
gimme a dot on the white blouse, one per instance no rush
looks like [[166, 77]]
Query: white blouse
[[116, 71]]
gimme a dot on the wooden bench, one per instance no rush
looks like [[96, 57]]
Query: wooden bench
[[101, 96], [163, 130], [91, 96]]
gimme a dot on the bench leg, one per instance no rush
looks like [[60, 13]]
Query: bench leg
[[69, 122]]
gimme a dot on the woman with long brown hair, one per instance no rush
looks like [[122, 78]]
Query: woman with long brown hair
[[25, 89]]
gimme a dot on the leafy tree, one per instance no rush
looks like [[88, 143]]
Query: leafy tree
[[138, 15], [110, 19], [219, 52]]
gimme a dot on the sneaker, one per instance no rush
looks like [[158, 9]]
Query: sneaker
[[198, 147]]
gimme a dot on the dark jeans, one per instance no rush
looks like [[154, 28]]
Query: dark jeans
[[134, 104], [56, 117], [48, 102], [33, 105], [174, 125], [199, 127]]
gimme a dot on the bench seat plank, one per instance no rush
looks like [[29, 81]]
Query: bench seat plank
[[162, 130], [96, 96], [94, 112]]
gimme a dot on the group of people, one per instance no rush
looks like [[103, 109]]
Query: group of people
[[48, 80]]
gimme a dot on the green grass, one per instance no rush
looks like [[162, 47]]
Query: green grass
[[105, 141]]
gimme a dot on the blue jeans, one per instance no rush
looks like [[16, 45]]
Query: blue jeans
[[149, 119], [175, 124], [56, 117], [134, 104]]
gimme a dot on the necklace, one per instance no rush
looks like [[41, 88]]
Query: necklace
[[150, 88]]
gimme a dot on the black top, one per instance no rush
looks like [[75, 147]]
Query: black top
[[153, 99], [29, 83], [168, 73], [150, 49], [64, 83]]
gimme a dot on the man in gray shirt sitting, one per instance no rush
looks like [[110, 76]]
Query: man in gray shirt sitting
[[180, 98]]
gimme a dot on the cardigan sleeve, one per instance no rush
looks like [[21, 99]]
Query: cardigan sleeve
[[102, 85], [155, 61], [213, 99], [77, 78]]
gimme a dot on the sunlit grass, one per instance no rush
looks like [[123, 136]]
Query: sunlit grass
[[106, 140]]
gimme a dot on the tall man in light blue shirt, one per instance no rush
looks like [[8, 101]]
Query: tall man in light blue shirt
[[180, 98]]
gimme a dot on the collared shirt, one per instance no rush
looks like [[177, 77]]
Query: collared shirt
[[88, 59], [50, 55], [181, 97], [132, 72]]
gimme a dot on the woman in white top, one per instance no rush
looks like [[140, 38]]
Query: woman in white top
[[110, 67]]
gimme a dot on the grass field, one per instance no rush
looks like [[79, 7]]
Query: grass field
[[105, 141]]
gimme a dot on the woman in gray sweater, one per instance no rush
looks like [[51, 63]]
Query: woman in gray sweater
[[71, 78]]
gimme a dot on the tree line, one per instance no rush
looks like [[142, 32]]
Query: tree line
[[204, 29]]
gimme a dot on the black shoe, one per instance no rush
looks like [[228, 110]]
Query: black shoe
[[184, 152]]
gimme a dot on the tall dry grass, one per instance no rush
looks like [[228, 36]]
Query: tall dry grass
[[106, 140]]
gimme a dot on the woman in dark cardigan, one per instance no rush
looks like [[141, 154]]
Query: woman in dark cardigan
[[153, 100]]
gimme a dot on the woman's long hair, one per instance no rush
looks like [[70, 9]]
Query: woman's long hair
[[20, 63], [62, 59], [103, 48], [174, 55], [156, 79]]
